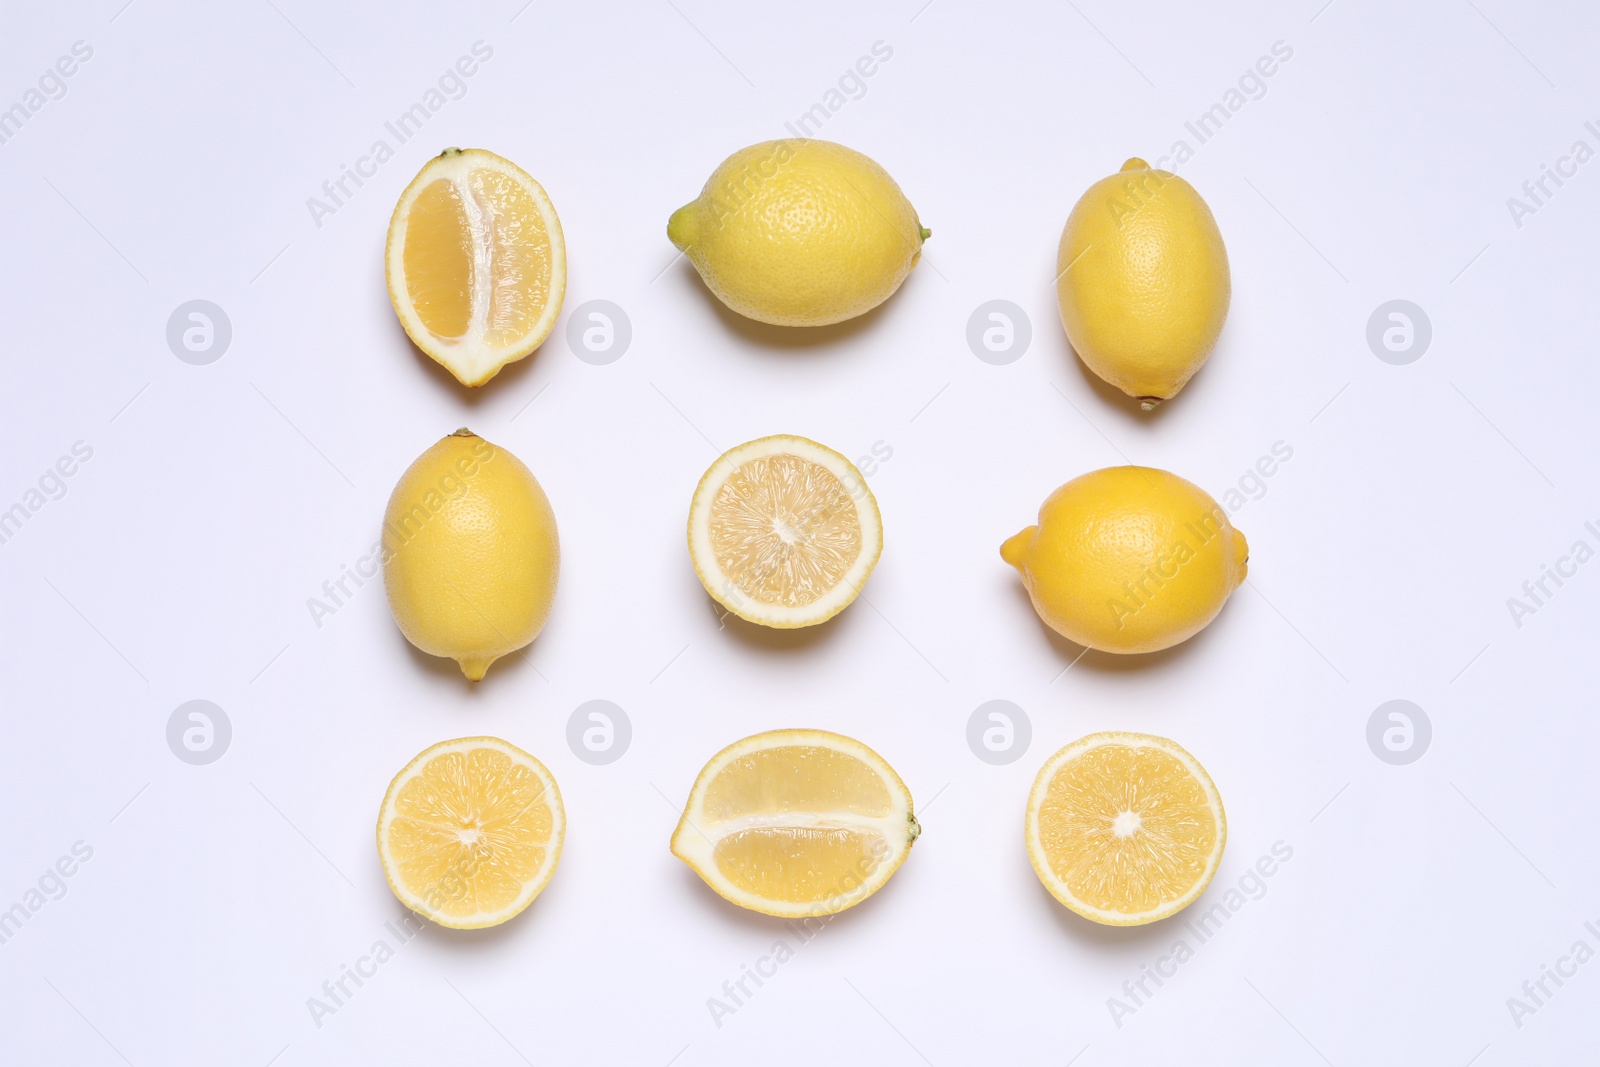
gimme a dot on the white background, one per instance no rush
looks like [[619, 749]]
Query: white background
[[219, 498]]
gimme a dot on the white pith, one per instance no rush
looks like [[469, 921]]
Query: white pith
[[696, 837], [727, 592], [1059, 888], [470, 357], [530, 889]]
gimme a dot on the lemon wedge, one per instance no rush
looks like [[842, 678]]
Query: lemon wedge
[[476, 265], [796, 823]]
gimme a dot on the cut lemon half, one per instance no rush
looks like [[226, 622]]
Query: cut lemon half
[[796, 823], [476, 264], [783, 531], [470, 832], [1125, 828]]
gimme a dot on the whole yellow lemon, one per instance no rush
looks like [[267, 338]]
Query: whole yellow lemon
[[800, 233], [469, 553], [1142, 281], [1129, 559]]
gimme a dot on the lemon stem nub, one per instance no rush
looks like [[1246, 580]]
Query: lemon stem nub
[[475, 667], [1015, 550], [1148, 403], [926, 233], [463, 432], [683, 227]]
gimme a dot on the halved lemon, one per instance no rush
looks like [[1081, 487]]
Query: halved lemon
[[796, 823], [783, 531], [476, 263], [470, 832], [1125, 828]]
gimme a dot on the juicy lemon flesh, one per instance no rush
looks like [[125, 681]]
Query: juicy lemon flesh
[[1127, 829], [470, 831], [477, 256], [784, 529], [795, 778], [439, 260], [796, 822], [801, 864]]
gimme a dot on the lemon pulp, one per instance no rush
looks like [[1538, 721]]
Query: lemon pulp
[[1125, 828], [796, 823], [470, 832]]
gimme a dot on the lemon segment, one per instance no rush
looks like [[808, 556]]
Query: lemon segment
[[470, 553], [1129, 559], [1142, 281], [476, 263], [799, 233], [1125, 828], [796, 823], [470, 832], [783, 531]]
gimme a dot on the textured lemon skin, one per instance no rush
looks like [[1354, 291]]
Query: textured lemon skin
[[1129, 559], [799, 233], [470, 553], [1142, 281]]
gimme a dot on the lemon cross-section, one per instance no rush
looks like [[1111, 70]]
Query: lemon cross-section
[[1125, 828], [796, 823], [476, 263], [784, 532], [470, 832]]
